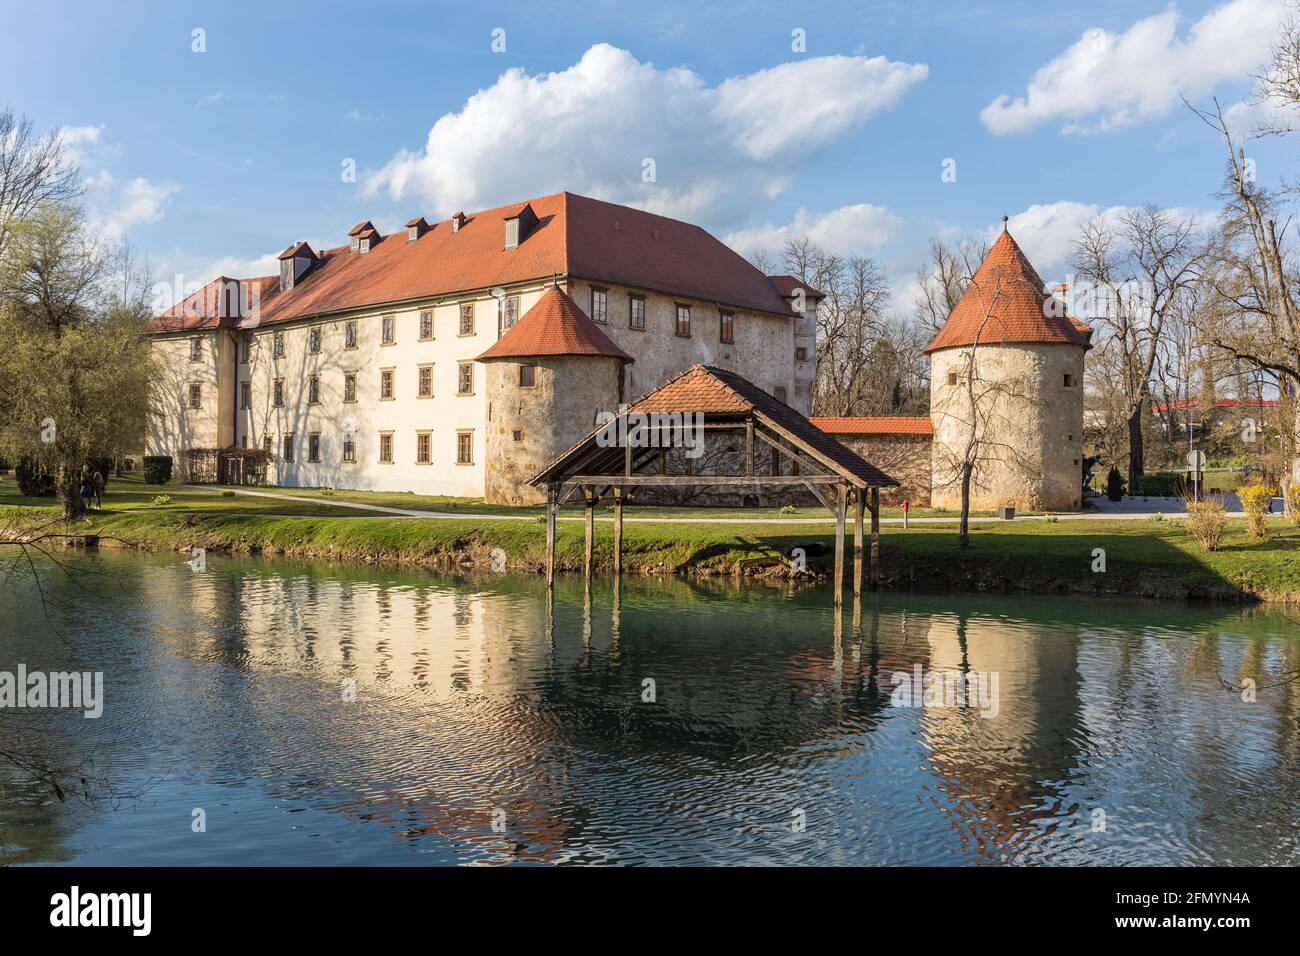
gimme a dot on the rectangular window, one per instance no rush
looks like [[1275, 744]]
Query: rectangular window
[[385, 384], [423, 447], [196, 396], [466, 318], [509, 311], [245, 394], [277, 345], [1069, 380], [426, 325], [385, 448], [465, 379], [287, 450], [426, 382], [779, 393], [248, 347], [349, 447], [527, 376], [465, 448], [684, 320], [952, 378], [313, 340], [388, 325], [801, 354], [349, 335], [349, 386], [266, 444], [278, 393], [313, 446], [636, 312], [518, 435], [599, 306], [196, 350], [726, 327], [313, 390]]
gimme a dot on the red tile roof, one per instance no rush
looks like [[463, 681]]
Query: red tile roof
[[208, 308], [574, 236], [875, 425], [721, 393], [786, 286], [1006, 302], [554, 326]]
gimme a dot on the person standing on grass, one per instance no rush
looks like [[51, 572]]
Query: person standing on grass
[[97, 486], [87, 489]]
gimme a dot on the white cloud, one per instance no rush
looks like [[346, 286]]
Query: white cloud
[[1107, 80], [590, 128], [117, 206], [847, 230], [1047, 231]]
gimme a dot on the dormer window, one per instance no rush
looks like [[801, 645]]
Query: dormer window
[[457, 222], [286, 275], [363, 244], [519, 226], [415, 228]]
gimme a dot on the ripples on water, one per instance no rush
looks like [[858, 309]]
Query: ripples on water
[[225, 691]]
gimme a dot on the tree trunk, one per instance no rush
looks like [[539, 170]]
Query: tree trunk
[[70, 499], [963, 532], [1135, 450]]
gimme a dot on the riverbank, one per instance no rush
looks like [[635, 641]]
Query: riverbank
[[1154, 559]]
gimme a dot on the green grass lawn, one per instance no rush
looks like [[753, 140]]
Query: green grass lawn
[[1142, 557]]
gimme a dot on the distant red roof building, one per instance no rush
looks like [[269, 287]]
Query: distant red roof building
[[556, 325], [1005, 302]]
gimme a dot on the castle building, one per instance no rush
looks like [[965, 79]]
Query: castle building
[[450, 358], [1006, 397]]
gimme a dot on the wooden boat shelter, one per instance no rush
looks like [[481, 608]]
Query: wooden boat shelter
[[780, 448]]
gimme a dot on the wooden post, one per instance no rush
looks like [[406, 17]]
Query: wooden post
[[590, 516], [841, 506], [859, 503], [618, 531], [550, 534], [875, 538]]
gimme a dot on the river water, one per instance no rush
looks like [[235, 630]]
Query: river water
[[264, 712]]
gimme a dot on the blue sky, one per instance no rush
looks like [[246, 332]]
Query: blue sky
[[211, 161]]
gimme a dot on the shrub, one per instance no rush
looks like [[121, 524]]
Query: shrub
[[1163, 486], [327, 492], [161, 499], [227, 494], [1157, 517], [787, 509], [1206, 520], [33, 480], [1256, 499], [1293, 501], [157, 469], [1114, 484]]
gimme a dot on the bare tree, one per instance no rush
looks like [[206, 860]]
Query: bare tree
[[34, 170], [1135, 270], [941, 281]]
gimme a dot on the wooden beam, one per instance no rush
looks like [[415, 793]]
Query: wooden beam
[[821, 496], [749, 446], [666, 480], [618, 531], [590, 516], [875, 538], [859, 503], [841, 506], [550, 534]]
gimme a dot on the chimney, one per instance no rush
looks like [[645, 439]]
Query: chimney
[[415, 228], [519, 226]]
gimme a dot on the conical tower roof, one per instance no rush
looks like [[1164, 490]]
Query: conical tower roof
[[1006, 302], [556, 325]]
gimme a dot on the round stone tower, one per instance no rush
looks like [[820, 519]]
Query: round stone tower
[[547, 379], [1006, 392]]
